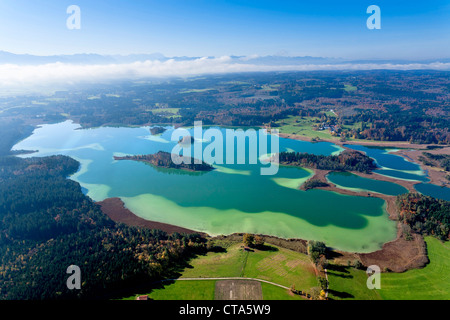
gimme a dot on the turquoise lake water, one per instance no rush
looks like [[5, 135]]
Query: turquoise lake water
[[232, 198], [356, 183]]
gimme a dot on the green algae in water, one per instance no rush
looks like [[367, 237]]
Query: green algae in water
[[233, 198]]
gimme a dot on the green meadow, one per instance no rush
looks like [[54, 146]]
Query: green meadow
[[429, 283], [350, 88], [302, 126], [278, 265], [348, 283], [171, 112]]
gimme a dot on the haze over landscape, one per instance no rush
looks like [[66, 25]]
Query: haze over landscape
[[118, 41]]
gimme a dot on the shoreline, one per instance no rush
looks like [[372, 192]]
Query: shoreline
[[398, 255], [386, 144], [115, 209], [409, 151], [435, 174], [390, 200]]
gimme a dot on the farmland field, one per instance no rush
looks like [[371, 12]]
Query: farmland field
[[238, 290], [278, 265]]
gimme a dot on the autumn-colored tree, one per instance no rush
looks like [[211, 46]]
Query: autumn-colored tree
[[322, 262], [248, 239], [259, 241]]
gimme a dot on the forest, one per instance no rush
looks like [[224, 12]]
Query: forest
[[345, 161], [314, 183], [376, 105], [425, 215], [48, 224]]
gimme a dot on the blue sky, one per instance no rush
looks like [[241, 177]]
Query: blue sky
[[409, 29]]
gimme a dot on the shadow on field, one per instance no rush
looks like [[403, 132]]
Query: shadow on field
[[338, 268], [339, 271], [147, 287], [331, 254], [341, 295], [217, 249], [266, 247], [345, 276]]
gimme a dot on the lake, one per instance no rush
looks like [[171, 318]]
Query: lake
[[347, 180], [232, 198], [392, 165], [433, 190]]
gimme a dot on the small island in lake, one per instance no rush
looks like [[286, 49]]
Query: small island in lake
[[345, 161], [164, 160], [157, 130], [314, 183]]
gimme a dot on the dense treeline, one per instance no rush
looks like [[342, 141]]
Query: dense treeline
[[376, 105], [425, 214], [47, 224], [396, 125], [345, 161], [314, 183]]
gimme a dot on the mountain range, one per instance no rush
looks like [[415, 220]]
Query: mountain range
[[273, 60]]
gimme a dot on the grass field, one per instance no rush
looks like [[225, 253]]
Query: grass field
[[281, 266], [284, 267], [348, 283], [429, 283], [271, 292], [302, 126], [182, 290], [276, 264], [171, 112], [205, 290], [287, 267], [349, 88], [226, 264]]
